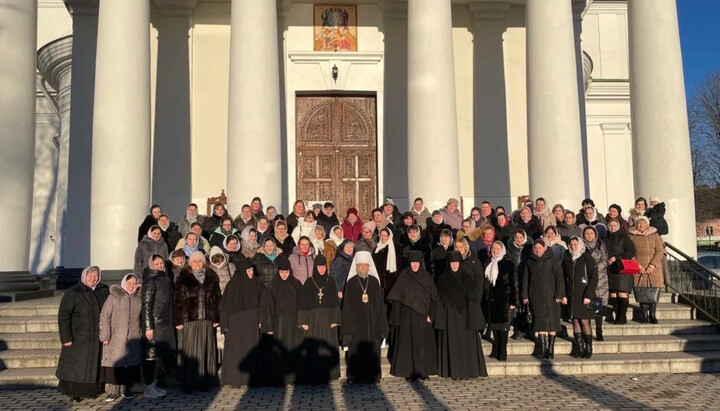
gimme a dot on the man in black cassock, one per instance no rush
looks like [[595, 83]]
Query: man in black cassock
[[364, 320], [415, 303], [460, 353], [281, 334], [318, 317]]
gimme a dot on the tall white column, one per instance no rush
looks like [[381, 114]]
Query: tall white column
[[554, 139], [18, 42], [661, 142], [253, 162], [433, 168], [121, 132]]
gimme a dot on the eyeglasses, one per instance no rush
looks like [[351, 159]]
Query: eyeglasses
[[475, 215]]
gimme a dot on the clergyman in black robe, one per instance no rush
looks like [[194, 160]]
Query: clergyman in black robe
[[364, 320], [459, 350], [240, 322], [415, 303], [281, 334], [318, 316]]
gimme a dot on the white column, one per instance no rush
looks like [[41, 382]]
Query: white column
[[253, 162], [121, 132], [554, 139], [661, 143], [18, 42], [433, 168]]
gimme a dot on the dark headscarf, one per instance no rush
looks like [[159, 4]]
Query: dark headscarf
[[281, 296], [452, 285], [415, 290], [308, 295], [241, 293]]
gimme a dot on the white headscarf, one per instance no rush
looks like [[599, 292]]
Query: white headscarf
[[124, 282], [492, 271], [337, 240], [85, 273], [362, 257], [582, 249], [391, 264], [318, 245]]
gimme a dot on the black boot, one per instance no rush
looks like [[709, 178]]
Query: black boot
[[598, 327], [651, 310], [493, 351], [579, 349], [588, 346], [613, 303], [550, 354], [645, 315], [543, 339], [502, 346], [622, 306]]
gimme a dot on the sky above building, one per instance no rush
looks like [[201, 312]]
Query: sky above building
[[700, 38]]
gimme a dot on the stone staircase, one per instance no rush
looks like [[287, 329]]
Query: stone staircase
[[29, 346]]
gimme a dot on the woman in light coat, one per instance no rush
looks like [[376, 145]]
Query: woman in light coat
[[649, 250]]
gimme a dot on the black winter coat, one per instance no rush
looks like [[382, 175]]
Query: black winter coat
[[439, 259], [502, 295], [432, 232], [286, 246], [265, 269], [194, 301], [421, 245], [532, 228], [327, 222], [618, 245], [581, 280], [79, 323], [542, 284], [157, 308], [656, 214]]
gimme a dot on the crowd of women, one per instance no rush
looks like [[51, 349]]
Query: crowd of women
[[264, 299]]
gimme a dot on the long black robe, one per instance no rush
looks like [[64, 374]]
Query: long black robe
[[542, 284], [414, 298], [318, 353], [281, 335], [363, 327], [240, 323], [387, 279], [459, 351]]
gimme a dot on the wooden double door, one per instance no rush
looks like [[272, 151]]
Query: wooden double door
[[336, 148]]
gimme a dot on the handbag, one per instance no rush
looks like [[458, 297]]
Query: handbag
[[646, 295], [596, 303], [629, 266]]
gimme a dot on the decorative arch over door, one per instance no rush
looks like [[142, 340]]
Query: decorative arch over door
[[336, 138]]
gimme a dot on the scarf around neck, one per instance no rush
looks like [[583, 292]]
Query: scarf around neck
[[492, 270]]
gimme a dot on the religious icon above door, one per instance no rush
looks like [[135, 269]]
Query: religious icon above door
[[335, 28], [336, 149]]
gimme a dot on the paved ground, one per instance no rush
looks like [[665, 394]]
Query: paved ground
[[656, 391]]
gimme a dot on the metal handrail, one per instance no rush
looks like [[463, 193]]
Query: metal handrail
[[694, 283]]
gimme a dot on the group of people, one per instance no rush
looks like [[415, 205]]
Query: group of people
[[264, 299]]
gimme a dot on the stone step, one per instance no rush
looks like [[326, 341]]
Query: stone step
[[665, 327], [27, 378], [29, 358], [20, 311], [30, 341], [12, 325], [664, 311]]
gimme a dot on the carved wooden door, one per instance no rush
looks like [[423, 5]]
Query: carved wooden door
[[337, 152]]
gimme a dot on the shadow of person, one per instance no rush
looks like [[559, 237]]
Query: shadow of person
[[318, 362], [364, 363], [268, 363]]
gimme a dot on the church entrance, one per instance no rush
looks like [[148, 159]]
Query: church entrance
[[337, 151]]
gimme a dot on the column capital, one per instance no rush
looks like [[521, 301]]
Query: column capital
[[82, 7], [393, 10], [176, 7], [484, 10], [55, 59]]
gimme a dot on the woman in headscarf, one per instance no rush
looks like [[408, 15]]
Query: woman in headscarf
[[554, 242], [594, 219], [415, 304], [196, 315], [649, 250], [443, 246], [305, 227], [318, 239], [264, 229], [149, 221], [152, 243], [385, 259], [519, 250], [278, 317], [543, 288], [248, 240], [459, 347], [191, 244], [529, 223], [615, 212], [282, 239], [265, 262], [364, 322], [301, 260], [503, 227], [231, 247], [341, 265], [224, 230], [170, 233], [352, 225], [297, 215], [502, 298], [434, 227], [178, 261], [159, 341], [581, 279], [318, 317], [596, 247], [120, 336], [330, 248], [271, 214], [641, 206], [224, 269], [619, 247], [240, 324], [78, 324]]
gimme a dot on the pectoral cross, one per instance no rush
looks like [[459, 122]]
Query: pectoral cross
[[320, 296]]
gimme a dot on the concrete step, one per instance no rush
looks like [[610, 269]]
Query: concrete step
[[39, 307], [12, 325], [664, 311], [30, 341], [27, 378], [665, 327], [29, 358]]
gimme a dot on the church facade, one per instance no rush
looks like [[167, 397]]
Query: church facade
[[171, 101]]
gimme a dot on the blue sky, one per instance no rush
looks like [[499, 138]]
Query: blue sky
[[700, 38]]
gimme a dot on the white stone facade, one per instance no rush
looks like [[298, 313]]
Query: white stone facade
[[518, 94]]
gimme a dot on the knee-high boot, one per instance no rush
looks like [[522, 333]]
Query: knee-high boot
[[550, 354], [598, 327], [495, 338], [622, 306], [588, 345], [543, 339], [652, 313], [502, 345]]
